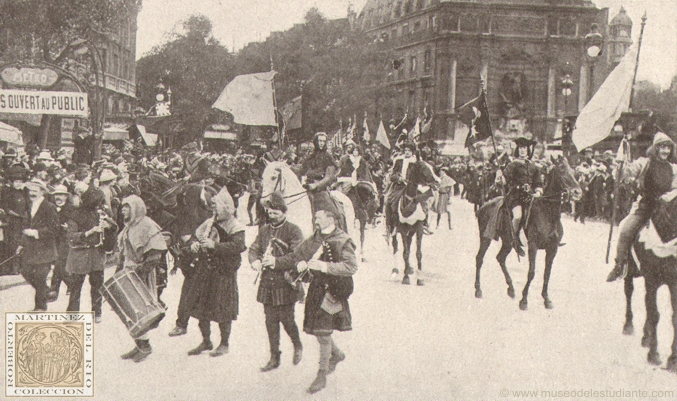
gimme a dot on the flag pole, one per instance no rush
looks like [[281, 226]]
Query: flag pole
[[624, 144], [486, 107], [277, 123], [639, 49]]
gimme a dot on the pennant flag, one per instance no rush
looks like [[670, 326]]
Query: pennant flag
[[292, 113], [623, 153], [366, 135], [475, 115], [382, 136], [349, 131], [415, 132], [249, 98], [602, 111], [427, 125]]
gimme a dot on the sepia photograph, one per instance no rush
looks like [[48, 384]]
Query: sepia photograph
[[338, 200]]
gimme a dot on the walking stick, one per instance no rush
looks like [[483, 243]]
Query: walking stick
[[10, 258]]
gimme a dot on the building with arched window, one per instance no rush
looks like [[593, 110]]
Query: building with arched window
[[535, 58]]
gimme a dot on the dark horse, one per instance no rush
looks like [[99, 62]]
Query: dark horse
[[542, 225], [405, 216], [657, 271], [365, 205]]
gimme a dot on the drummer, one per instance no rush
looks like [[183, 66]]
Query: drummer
[[141, 247]]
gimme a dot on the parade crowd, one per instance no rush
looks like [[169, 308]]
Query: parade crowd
[[153, 213]]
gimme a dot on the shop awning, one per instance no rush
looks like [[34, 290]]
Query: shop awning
[[148, 138], [116, 133], [230, 136], [10, 134]]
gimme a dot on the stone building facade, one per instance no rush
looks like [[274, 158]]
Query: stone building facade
[[519, 51]]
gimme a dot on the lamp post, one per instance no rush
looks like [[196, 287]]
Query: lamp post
[[594, 42], [567, 84], [80, 47]]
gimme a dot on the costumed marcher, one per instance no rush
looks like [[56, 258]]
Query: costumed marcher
[[193, 210], [64, 209], [213, 294], [14, 204], [87, 226], [329, 256], [657, 178], [277, 290], [37, 245], [523, 181], [413, 178], [141, 246], [320, 171], [442, 203]]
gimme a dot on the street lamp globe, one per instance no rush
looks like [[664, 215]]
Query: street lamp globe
[[594, 41]]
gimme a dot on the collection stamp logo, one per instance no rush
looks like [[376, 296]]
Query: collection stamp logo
[[49, 354]]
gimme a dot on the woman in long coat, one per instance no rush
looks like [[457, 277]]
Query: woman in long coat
[[213, 294]]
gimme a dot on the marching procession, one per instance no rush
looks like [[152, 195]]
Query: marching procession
[[156, 189]]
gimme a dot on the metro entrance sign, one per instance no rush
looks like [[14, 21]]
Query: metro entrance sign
[[44, 102]]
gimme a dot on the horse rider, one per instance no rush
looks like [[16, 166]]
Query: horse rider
[[320, 170], [657, 177], [524, 182], [409, 172]]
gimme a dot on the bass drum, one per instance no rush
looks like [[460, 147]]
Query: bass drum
[[133, 302]]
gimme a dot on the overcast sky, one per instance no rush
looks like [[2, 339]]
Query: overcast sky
[[238, 22]]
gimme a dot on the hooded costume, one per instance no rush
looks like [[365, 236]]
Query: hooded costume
[[320, 167], [213, 293]]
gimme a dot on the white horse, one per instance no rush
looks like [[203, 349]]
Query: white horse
[[278, 176]]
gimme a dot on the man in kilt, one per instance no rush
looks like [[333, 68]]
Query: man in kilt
[[277, 290], [328, 259]]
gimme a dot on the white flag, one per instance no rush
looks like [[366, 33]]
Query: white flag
[[249, 98], [382, 136], [416, 131], [612, 98], [366, 135]]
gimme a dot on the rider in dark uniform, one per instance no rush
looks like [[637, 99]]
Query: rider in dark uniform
[[320, 170], [523, 180]]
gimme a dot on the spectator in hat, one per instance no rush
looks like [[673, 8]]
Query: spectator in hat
[[64, 209], [107, 186], [37, 245], [14, 205], [40, 172], [277, 291]]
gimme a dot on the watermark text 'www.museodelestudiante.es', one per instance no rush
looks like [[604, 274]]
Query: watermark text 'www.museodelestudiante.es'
[[618, 393]]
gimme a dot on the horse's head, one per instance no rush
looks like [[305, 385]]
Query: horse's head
[[562, 180], [274, 178]]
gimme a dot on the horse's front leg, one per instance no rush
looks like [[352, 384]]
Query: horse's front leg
[[363, 225], [419, 254], [629, 288], [550, 254], [396, 271], [479, 259], [502, 255], [650, 338], [406, 251], [533, 249], [672, 360]]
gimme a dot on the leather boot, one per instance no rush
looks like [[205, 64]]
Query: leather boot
[[205, 345], [319, 383], [619, 271], [221, 350], [131, 354], [334, 360], [273, 363], [144, 350]]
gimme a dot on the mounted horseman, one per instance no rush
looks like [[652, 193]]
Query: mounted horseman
[[657, 178], [320, 170], [524, 182], [354, 179]]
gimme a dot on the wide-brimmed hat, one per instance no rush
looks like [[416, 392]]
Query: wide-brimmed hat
[[523, 142], [45, 156], [37, 184], [107, 175], [60, 190]]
